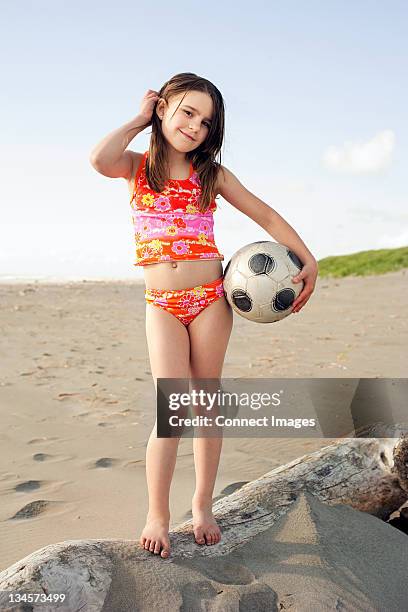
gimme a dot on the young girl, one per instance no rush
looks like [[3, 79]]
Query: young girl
[[188, 320]]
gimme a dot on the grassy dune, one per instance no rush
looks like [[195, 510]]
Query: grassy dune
[[364, 263]]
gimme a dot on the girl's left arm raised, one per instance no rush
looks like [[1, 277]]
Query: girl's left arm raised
[[230, 188]]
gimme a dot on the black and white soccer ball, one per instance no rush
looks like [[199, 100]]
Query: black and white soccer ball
[[258, 281]]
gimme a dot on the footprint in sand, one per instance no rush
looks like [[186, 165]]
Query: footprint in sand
[[228, 573], [202, 595], [41, 457], [28, 485], [105, 462], [52, 458], [32, 509]]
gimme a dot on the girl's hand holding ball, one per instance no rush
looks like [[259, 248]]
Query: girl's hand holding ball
[[308, 275]]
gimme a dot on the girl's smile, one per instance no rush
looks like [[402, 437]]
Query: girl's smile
[[187, 136]]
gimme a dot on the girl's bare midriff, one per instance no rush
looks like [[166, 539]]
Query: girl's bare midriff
[[181, 274]]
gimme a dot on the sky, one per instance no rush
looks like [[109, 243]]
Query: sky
[[315, 95]]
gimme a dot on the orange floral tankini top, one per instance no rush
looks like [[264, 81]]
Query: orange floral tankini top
[[168, 225]]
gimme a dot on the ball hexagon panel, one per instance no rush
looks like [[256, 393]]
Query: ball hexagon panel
[[263, 288]]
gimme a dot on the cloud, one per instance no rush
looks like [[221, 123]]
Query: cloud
[[362, 157]]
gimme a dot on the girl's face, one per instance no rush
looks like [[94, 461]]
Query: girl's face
[[186, 128]]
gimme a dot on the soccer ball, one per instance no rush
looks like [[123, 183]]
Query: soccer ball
[[258, 281]]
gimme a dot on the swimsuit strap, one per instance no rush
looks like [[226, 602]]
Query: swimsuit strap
[[138, 173], [142, 166]]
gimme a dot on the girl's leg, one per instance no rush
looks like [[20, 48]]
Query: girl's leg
[[169, 351], [209, 335]]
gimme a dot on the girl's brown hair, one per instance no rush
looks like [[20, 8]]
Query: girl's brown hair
[[204, 157]]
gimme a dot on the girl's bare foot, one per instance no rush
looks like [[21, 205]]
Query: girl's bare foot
[[155, 536], [206, 530]]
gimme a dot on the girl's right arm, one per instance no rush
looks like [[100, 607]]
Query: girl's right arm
[[109, 157]]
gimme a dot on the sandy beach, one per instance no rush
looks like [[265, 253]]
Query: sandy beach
[[77, 398]]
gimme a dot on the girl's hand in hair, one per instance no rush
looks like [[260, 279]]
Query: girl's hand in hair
[[147, 104]]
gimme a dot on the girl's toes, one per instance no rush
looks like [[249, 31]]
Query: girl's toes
[[152, 545], [199, 536], [147, 544], [166, 549], [142, 542], [157, 548]]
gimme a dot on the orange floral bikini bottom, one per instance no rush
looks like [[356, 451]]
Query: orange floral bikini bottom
[[186, 304]]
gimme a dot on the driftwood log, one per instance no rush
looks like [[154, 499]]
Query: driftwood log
[[401, 461], [366, 474]]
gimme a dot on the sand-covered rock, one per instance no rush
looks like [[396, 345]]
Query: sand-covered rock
[[316, 557], [291, 539]]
